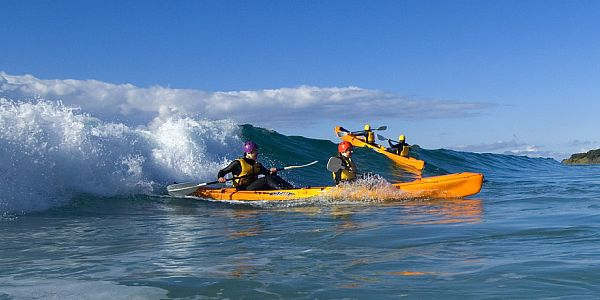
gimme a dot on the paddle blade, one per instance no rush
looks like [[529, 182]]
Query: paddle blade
[[382, 128], [334, 164], [182, 189], [382, 138]]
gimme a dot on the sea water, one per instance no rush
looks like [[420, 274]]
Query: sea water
[[84, 214]]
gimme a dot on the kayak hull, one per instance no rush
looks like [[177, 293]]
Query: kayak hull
[[409, 164], [457, 185]]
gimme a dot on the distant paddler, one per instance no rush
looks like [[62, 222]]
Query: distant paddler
[[366, 135], [246, 170], [341, 166], [401, 148]]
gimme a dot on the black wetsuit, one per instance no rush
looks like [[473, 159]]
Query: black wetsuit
[[269, 182], [396, 148], [365, 134]]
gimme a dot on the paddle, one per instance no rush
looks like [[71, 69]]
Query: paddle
[[184, 189], [334, 164], [344, 132], [382, 138], [390, 141]]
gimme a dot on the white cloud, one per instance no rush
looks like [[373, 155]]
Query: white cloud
[[262, 107]]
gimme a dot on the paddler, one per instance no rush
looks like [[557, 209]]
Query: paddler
[[247, 169], [401, 148], [347, 170], [367, 134]]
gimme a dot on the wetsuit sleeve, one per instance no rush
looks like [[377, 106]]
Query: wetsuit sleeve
[[234, 167]]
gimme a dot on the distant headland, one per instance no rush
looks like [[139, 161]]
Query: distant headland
[[591, 157]]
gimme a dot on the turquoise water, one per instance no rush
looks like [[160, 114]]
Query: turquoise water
[[532, 232]]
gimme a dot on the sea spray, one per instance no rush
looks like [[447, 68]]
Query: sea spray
[[368, 188], [50, 152]]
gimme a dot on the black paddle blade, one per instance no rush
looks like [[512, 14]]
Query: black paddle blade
[[334, 164], [382, 128], [381, 137]]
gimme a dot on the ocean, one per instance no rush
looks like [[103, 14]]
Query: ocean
[[84, 215]]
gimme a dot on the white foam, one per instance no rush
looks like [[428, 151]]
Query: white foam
[[50, 152]]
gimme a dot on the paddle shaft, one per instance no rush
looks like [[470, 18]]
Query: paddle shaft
[[277, 170], [363, 131], [216, 181], [239, 177]]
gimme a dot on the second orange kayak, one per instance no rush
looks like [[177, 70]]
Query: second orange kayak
[[409, 164]]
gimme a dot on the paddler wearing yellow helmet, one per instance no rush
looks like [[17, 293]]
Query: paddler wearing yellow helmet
[[401, 148], [246, 169], [341, 166], [367, 134]]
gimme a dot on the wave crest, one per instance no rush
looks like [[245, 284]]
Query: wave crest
[[50, 152]]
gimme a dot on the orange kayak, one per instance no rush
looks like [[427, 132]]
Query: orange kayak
[[456, 185], [409, 164]]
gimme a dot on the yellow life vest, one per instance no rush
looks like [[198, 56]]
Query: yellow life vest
[[250, 173], [348, 172], [404, 151], [370, 137]]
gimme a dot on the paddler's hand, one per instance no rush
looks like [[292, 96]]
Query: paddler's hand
[[273, 170], [221, 179]]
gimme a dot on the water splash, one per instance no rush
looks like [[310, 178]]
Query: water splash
[[367, 189], [50, 152]]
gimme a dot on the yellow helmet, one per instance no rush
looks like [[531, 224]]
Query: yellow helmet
[[367, 127], [401, 137]]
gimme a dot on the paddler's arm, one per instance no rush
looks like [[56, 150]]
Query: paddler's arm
[[392, 145], [234, 167], [266, 171]]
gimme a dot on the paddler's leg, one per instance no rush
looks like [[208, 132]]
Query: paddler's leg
[[269, 182], [258, 184], [277, 183]]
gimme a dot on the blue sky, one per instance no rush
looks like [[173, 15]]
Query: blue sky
[[531, 66]]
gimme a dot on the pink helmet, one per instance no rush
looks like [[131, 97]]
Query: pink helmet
[[249, 146]]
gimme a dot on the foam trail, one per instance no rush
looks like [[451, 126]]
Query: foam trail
[[50, 152]]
